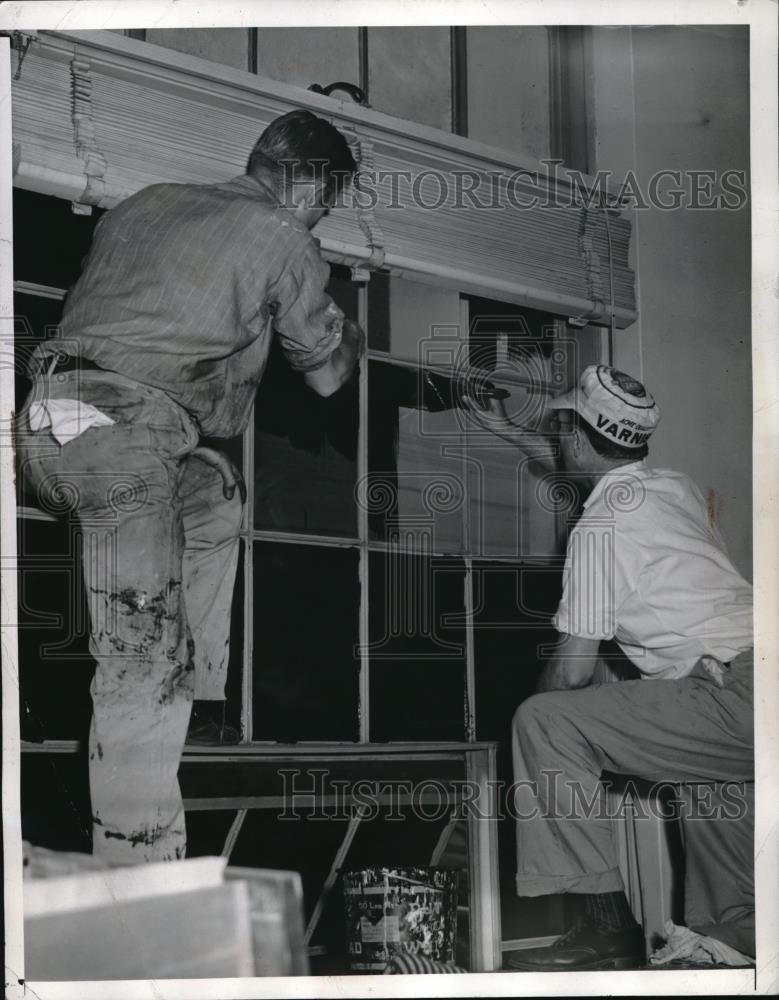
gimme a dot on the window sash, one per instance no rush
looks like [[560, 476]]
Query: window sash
[[363, 543]]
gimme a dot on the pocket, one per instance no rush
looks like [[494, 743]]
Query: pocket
[[173, 432]]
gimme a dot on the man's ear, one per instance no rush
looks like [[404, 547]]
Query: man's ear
[[321, 199], [303, 195], [309, 194]]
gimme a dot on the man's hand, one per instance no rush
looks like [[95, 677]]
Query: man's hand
[[231, 477], [354, 335], [492, 417], [532, 442], [341, 363]]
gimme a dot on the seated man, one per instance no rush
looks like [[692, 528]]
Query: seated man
[[646, 566]]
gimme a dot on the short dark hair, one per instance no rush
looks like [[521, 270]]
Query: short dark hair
[[300, 145], [605, 448]]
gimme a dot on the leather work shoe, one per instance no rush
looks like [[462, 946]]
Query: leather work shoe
[[205, 731], [584, 946]]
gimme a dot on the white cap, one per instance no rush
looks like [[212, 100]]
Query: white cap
[[614, 404]]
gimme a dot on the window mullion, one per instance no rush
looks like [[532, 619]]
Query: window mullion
[[470, 662], [247, 676], [362, 526]]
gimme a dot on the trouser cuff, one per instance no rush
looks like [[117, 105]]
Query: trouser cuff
[[545, 885]]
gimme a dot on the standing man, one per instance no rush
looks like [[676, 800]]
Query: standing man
[[646, 566], [164, 340]]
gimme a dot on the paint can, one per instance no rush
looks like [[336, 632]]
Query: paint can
[[407, 910]]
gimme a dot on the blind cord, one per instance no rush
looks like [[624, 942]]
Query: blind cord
[[612, 320]]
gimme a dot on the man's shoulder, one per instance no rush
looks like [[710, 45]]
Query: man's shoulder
[[672, 483], [233, 197], [625, 485], [642, 498], [628, 493], [221, 194]]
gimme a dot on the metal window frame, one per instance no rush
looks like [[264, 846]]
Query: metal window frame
[[362, 542]]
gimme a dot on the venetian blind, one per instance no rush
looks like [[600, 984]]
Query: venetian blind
[[97, 116]]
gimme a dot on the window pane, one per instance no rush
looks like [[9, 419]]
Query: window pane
[[415, 458], [55, 668], [235, 668], [405, 317], [410, 75], [306, 628], [50, 240], [417, 647], [55, 807], [513, 508], [513, 606], [35, 320], [306, 445]]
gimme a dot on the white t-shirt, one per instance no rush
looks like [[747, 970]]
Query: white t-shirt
[[646, 567]]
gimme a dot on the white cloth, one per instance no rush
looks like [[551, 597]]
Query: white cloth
[[67, 418], [645, 565], [682, 944]]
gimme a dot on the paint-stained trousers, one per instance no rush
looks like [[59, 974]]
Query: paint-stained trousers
[[160, 549], [687, 731]]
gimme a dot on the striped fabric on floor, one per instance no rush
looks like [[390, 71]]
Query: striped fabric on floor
[[406, 964]]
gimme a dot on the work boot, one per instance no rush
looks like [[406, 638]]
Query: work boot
[[207, 726], [584, 946]]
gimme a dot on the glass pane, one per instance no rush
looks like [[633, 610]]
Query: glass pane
[[417, 647], [410, 75], [513, 510], [379, 312], [235, 667], [512, 606], [306, 629], [35, 320], [306, 445], [405, 318], [500, 334], [55, 807], [55, 668], [416, 471], [50, 240]]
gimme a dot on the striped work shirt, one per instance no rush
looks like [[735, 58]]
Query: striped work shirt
[[184, 285]]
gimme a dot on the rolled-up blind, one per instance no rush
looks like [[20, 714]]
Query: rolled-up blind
[[97, 116]]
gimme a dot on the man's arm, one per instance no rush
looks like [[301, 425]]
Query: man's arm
[[341, 363], [532, 442], [572, 665], [317, 339]]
